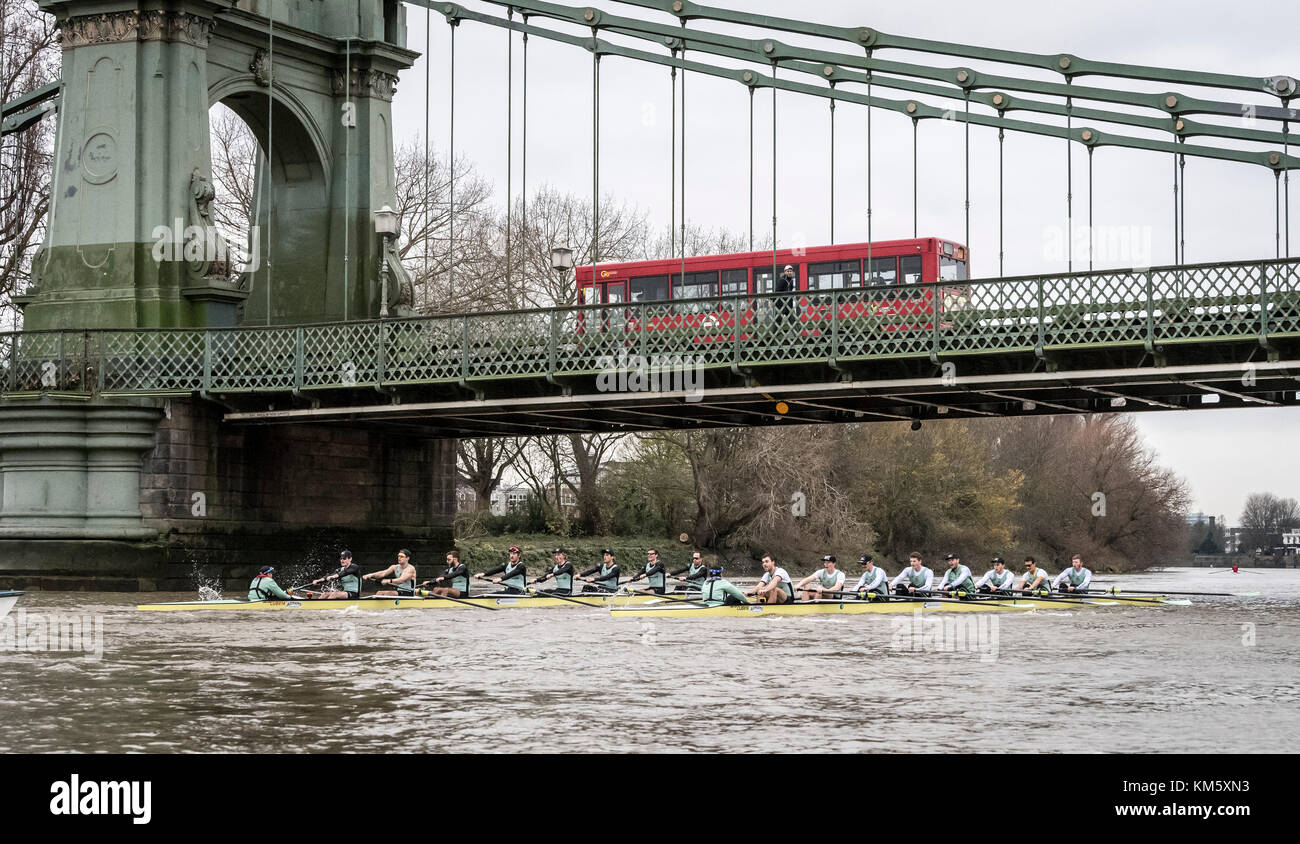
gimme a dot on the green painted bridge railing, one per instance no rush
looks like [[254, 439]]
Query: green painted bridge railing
[[1206, 303]]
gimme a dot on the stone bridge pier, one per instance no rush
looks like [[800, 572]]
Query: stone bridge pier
[[163, 496]]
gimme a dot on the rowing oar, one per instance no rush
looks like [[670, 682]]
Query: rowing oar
[[1075, 597], [667, 597], [1115, 590], [544, 594], [424, 593]]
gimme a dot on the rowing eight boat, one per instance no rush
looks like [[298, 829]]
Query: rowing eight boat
[[373, 603], [662, 609]]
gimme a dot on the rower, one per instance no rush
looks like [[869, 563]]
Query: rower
[[775, 587], [264, 587], [1074, 579], [604, 576], [829, 579], [512, 575], [400, 575], [695, 573], [997, 580], [918, 578], [714, 591], [872, 585], [562, 571], [653, 573], [957, 579], [1035, 578], [453, 582], [348, 577]]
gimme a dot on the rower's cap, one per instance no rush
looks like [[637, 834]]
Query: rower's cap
[[952, 557], [515, 548], [865, 558], [789, 266], [345, 555], [607, 551], [556, 551], [829, 558], [997, 560], [266, 569]]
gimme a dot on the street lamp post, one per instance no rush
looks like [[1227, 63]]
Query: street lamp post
[[386, 226], [562, 261]]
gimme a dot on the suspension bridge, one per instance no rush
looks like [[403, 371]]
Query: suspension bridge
[[320, 336]]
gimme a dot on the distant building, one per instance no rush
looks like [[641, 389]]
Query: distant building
[[507, 497], [1199, 518]]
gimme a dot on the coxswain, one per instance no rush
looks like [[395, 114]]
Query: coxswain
[[453, 582], [916, 579], [1035, 580], [400, 575], [264, 587], [654, 573], [714, 591], [775, 587], [604, 576], [346, 581], [511, 575], [1074, 579], [829, 579], [873, 584], [562, 571], [957, 579], [696, 572], [997, 580]]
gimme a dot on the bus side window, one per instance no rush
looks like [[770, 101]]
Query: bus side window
[[883, 274], [763, 280], [911, 267], [735, 282], [650, 288], [591, 295], [951, 269], [834, 274]]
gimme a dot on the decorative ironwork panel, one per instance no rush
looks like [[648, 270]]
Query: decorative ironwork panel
[[593, 339], [876, 322], [341, 355], [509, 344], [1201, 303], [252, 359], [1094, 309], [694, 332], [423, 351], [153, 361], [980, 316], [1282, 299], [53, 360]]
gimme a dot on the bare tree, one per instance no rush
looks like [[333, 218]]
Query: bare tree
[[1265, 514], [481, 463], [29, 58], [448, 278], [560, 219]]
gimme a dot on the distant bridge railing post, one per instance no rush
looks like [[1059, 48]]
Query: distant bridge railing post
[[381, 355], [13, 361], [207, 361], [298, 362], [1041, 306], [1150, 341], [464, 349], [1263, 306]]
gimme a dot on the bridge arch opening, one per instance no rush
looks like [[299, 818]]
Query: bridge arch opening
[[283, 203]]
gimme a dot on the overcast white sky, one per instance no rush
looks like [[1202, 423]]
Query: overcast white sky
[[1224, 455]]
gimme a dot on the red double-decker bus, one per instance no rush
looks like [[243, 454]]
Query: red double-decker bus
[[896, 280]]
